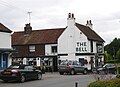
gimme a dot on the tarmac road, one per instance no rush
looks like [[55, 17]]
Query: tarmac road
[[54, 80]]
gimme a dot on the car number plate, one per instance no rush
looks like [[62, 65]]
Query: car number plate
[[7, 73]]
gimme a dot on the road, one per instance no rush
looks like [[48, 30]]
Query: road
[[54, 80]]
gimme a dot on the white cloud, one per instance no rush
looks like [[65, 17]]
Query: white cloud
[[105, 14]]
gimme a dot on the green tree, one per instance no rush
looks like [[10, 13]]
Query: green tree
[[107, 57], [113, 47], [118, 54]]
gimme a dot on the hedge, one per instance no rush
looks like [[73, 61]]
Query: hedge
[[105, 83], [112, 61], [44, 68]]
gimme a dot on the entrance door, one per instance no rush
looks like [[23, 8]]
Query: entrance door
[[55, 64], [5, 61]]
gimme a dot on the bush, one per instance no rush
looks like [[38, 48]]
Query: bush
[[105, 83], [118, 76], [44, 68], [49, 69], [112, 61]]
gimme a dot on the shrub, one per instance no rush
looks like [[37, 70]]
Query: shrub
[[44, 68], [49, 69], [112, 61], [105, 83], [118, 76]]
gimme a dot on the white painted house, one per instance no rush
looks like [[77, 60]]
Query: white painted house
[[74, 42], [5, 46], [81, 43]]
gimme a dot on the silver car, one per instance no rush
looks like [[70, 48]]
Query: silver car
[[71, 67]]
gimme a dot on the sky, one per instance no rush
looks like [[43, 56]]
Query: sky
[[46, 14]]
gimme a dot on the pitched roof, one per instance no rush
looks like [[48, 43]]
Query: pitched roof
[[4, 28], [91, 34], [46, 36]]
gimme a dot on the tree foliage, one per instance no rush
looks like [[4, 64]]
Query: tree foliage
[[107, 56], [113, 48], [118, 54]]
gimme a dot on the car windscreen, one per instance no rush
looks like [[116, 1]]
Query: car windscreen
[[66, 62], [16, 67], [63, 62]]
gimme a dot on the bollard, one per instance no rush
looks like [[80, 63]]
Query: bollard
[[76, 84]]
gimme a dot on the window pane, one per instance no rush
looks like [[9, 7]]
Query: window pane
[[32, 48], [54, 49]]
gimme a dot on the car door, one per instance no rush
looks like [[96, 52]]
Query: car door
[[111, 68], [78, 67], [29, 72]]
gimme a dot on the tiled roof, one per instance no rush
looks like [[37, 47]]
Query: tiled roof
[[4, 28], [49, 36], [46, 36], [91, 34]]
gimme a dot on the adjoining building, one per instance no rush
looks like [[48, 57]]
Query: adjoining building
[[5, 47], [50, 46]]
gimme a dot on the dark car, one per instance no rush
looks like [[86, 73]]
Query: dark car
[[107, 69], [71, 67], [20, 73]]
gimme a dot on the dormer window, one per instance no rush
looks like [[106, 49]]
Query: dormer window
[[32, 48]]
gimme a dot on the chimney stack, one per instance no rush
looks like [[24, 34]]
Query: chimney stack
[[27, 29], [89, 24], [70, 19]]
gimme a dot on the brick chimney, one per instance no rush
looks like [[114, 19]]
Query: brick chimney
[[27, 29], [70, 19], [89, 24]]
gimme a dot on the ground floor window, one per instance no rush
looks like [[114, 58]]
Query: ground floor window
[[83, 61]]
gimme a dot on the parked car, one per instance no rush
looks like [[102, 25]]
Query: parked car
[[71, 67], [20, 73], [107, 69]]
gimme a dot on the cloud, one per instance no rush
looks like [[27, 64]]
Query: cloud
[[104, 14]]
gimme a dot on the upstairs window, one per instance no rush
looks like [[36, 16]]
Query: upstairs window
[[91, 44], [32, 48], [54, 49]]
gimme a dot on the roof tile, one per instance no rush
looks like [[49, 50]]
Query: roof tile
[[91, 34], [46, 36], [4, 28]]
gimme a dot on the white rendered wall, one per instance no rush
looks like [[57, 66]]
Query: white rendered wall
[[5, 40], [94, 47], [81, 39], [66, 42], [48, 49]]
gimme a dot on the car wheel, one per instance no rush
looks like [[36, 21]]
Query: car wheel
[[39, 76], [61, 73], [22, 79], [85, 71], [72, 72]]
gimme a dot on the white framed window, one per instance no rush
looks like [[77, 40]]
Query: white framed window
[[32, 48], [54, 49]]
